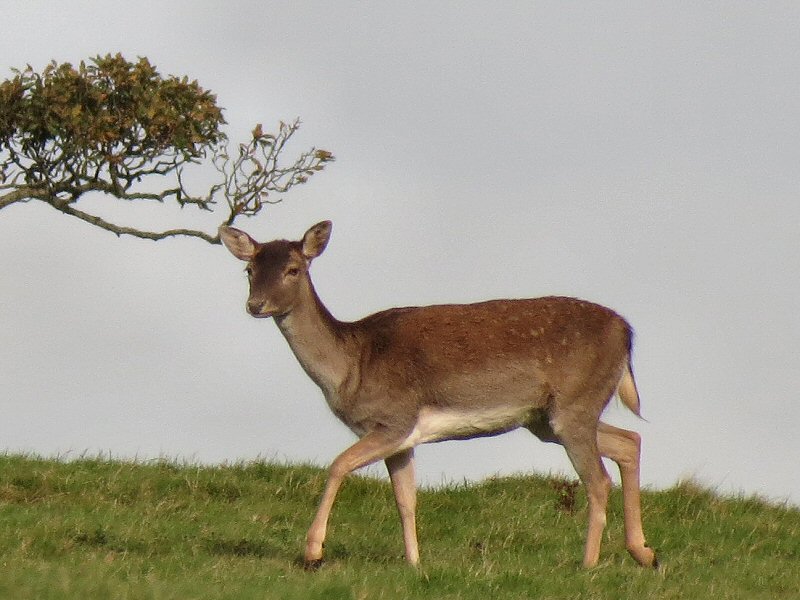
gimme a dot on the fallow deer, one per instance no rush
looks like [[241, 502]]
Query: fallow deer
[[409, 376]]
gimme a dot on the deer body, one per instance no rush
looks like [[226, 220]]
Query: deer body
[[408, 376]]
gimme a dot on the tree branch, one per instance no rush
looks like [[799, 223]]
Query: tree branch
[[117, 127], [17, 195], [120, 230]]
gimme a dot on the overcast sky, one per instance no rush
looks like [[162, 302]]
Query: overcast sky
[[643, 155]]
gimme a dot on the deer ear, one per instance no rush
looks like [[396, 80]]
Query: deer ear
[[241, 245], [316, 238]]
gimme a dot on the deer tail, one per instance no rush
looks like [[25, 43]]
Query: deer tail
[[626, 389]]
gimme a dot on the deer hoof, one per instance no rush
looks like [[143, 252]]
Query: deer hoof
[[313, 565], [655, 564]]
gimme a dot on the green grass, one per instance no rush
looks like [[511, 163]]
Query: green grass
[[106, 529]]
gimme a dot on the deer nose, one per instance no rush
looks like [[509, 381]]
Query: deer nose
[[254, 307]]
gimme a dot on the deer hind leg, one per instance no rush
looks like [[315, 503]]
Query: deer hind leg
[[401, 472], [373, 447], [579, 438], [624, 447]]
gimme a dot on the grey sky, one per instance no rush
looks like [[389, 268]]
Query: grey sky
[[643, 155]]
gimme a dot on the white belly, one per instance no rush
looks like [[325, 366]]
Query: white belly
[[436, 425]]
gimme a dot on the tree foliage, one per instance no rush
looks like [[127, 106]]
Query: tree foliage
[[115, 127]]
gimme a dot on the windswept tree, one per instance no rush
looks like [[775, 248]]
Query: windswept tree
[[120, 128]]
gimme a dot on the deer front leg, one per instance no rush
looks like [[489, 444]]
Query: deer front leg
[[373, 447], [401, 472]]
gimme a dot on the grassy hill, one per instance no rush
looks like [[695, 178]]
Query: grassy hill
[[108, 529]]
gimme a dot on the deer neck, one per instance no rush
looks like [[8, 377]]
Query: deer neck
[[316, 339]]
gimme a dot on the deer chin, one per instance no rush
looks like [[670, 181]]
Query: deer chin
[[265, 313]]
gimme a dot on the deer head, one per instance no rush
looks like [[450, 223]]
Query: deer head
[[278, 270]]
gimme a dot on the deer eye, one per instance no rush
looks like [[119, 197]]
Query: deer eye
[[249, 271], [293, 272]]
